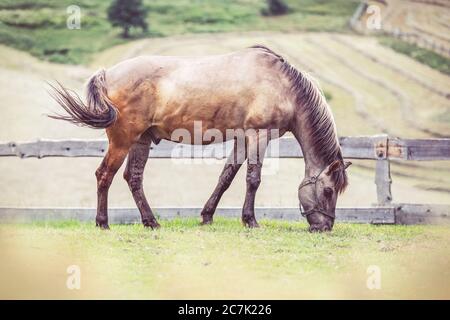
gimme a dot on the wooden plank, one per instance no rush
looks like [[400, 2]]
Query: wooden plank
[[422, 214], [375, 215], [362, 147], [419, 149], [398, 214], [383, 181], [374, 147], [55, 148], [353, 147]]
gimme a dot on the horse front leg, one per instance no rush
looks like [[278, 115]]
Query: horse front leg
[[234, 162], [256, 149], [134, 175]]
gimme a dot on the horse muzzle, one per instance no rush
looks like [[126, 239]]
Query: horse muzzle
[[321, 223]]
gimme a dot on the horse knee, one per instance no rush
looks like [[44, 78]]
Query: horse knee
[[99, 172], [227, 177], [103, 181], [134, 180], [253, 181], [103, 184]]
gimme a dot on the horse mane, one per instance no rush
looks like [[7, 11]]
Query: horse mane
[[322, 129]]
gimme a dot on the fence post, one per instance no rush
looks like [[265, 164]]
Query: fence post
[[383, 172]]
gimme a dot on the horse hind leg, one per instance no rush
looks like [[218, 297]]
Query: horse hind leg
[[134, 175], [105, 174]]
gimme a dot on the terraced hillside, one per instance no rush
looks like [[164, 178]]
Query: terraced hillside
[[426, 21], [371, 89]]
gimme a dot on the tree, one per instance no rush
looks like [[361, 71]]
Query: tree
[[275, 8], [127, 14]]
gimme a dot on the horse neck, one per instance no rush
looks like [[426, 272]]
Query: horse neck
[[303, 130], [313, 124], [314, 163]]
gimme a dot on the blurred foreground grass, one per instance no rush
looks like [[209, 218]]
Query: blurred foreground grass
[[224, 260]]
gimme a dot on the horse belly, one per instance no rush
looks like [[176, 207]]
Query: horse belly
[[205, 120]]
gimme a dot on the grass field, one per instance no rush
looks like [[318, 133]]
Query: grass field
[[39, 27], [424, 56], [224, 260]]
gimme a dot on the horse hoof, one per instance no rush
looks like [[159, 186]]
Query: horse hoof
[[251, 224], [102, 226], [206, 221], [153, 225]]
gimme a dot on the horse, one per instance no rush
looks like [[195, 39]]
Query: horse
[[145, 99]]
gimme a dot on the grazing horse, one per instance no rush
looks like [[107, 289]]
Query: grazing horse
[[145, 99]]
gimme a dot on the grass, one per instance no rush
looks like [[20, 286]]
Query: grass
[[425, 56], [39, 27], [224, 260]]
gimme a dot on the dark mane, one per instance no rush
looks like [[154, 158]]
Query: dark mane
[[322, 127]]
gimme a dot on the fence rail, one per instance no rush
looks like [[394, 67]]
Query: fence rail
[[371, 148], [380, 148], [378, 215]]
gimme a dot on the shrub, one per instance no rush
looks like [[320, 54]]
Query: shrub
[[275, 8], [127, 14]]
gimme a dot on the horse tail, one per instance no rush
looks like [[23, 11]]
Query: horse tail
[[99, 112]]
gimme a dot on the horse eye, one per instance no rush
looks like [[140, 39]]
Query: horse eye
[[328, 192]]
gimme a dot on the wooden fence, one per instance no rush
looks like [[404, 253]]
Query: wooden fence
[[380, 148]]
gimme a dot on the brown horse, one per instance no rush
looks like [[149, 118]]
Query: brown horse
[[145, 99]]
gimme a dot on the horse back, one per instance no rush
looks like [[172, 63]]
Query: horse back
[[243, 89]]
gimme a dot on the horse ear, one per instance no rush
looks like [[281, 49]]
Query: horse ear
[[334, 166], [347, 164]]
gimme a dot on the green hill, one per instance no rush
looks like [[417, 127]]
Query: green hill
[[39, 26]]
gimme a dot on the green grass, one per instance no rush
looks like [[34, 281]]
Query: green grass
[[428, 57], [224, 260], [39, 26]]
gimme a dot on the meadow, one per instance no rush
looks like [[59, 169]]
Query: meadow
[[184, 260], [422, 55]]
